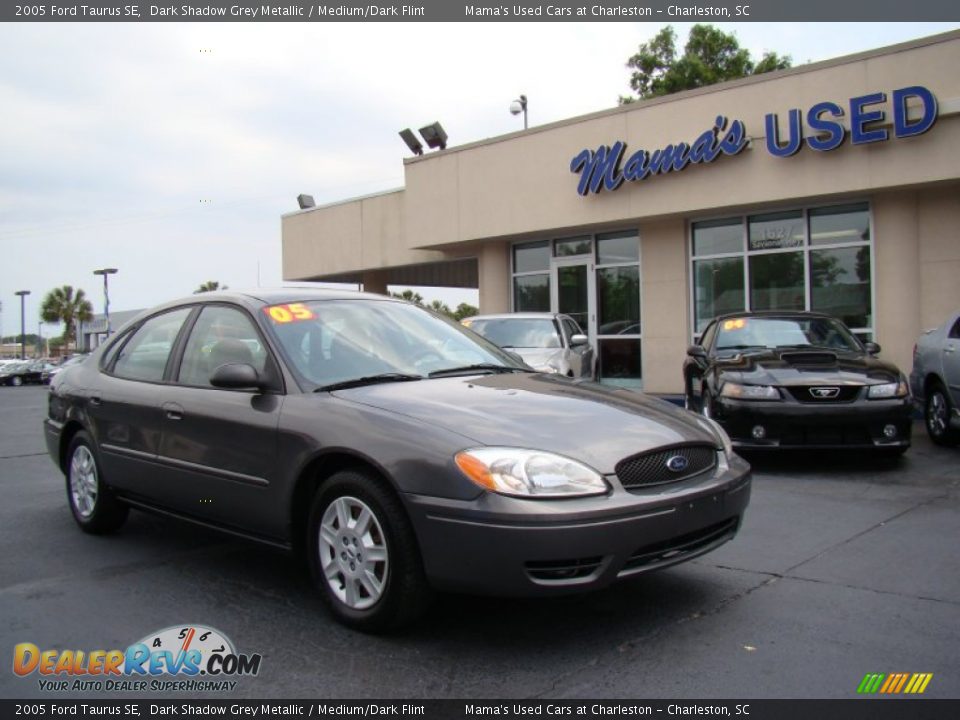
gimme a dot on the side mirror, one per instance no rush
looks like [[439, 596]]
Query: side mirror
[[578, 339], [697, 352], [236, 376], [872, 348]]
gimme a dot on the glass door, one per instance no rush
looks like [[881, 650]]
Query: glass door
[[572, 292]]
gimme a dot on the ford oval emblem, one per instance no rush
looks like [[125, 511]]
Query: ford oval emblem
[[677, 463]]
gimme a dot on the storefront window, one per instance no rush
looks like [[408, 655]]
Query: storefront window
[[776, 282], [620, 362], [531, 277], [616, 248], [618, 292], [718, 289], [816, 259], [776, 231], [718, 237], [572, 246], [531, 293], [843, 224], [840, 284], [531, 257]]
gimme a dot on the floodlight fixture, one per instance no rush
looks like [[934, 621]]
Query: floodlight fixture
[[411, 140], [434, 136], [305, 201]]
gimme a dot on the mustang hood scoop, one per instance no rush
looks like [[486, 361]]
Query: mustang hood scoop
[[817, 357]]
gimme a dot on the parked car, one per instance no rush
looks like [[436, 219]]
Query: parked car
[[547, 342], [401, 453], [21, 373], [935, 379], [69, 362], [784, 380]]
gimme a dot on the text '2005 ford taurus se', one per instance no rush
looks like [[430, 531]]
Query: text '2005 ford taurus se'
[[400, 452]]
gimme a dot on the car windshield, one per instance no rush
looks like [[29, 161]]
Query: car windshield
[[753, 332], [521, 333], [331, 342]]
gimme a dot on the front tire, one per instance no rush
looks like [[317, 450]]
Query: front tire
[[92, 503], [16, 381], [936, 416], [363, 554]]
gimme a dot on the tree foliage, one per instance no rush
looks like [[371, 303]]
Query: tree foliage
[[63, 305], [209, 286], [710, 56], [464, 310]]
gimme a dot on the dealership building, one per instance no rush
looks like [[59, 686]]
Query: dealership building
[[832, 187]]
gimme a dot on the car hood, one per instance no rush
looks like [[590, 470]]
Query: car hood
[[539, 357], [806, 367], [596, 424]]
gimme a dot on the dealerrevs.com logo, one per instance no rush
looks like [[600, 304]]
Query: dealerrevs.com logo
[[187, 658]]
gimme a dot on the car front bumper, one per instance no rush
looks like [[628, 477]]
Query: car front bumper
[[858, 424], [497, 545]]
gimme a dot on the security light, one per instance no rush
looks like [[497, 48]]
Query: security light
[[411, 140], [434, 136], [305, 201]]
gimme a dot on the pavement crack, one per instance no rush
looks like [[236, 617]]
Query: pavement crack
[[866, 531]]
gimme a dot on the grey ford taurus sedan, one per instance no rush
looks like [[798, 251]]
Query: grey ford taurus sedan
[[398, 452]]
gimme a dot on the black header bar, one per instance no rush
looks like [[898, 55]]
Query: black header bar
[[484, 11]]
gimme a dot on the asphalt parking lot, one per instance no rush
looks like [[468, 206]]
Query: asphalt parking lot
[[844, 566]]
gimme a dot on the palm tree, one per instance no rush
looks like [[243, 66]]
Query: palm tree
[[63, 305], [209, 286]]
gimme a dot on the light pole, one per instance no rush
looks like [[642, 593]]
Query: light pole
[[106, 272], [40, 352], [520, 106], [23, 336]]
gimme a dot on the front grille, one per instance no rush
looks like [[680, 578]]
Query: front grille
[[652, 468], [561, 570], [825, 394], [825, 435], [678, 548]]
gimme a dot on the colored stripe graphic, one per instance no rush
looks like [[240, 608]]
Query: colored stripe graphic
[[894, 683]]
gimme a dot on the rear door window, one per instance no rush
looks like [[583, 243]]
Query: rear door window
[[145, 355]]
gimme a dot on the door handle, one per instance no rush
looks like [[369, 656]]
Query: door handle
[[173, 411], [95, 401], [949, 349]]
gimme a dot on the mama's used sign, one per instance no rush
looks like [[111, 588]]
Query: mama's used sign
[[605, 167]]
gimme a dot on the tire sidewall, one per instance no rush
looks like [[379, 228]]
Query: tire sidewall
[[100, 519], [946, 436], [357, 485]]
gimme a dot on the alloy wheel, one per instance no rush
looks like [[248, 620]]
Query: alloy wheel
[[353, 552], [84, 488], [937, 414]]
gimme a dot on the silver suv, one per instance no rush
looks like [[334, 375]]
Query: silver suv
[[935, 380]]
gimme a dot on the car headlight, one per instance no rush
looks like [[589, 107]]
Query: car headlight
[[529, 473], [888, 390], [749, 392]]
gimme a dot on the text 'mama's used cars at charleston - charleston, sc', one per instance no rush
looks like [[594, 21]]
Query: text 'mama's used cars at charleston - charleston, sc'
[[935, 380], [399, 452], [797, 380], [547, 342]]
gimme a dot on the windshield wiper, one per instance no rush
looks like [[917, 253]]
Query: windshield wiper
[[479, 367], [742, 347], [369, 380]]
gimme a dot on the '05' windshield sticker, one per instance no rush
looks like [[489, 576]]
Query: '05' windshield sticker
[[291, 312]]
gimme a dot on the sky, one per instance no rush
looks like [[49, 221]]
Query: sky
[[170, 150]]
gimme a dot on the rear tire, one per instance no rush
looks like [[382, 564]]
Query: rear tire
[[16, 381], [363, 554], [936, 415], [92, 503]]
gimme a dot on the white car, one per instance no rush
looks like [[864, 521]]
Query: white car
[[547, 342], [935, 380]]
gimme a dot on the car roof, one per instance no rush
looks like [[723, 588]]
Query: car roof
[[516, 316], [786, 314]]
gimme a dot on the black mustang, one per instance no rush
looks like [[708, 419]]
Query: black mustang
[[781, 380]]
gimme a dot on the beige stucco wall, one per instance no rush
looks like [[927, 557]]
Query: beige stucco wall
[[664, 305]]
